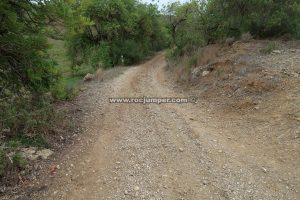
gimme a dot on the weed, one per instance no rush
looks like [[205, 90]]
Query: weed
[[19, 161], [66, 89], [3, 162], [22, 140], [193, 60], [271, 46]]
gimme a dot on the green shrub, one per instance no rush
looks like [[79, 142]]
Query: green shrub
[[66, 90], [3, 163], [193, 60], [261, 18], [25, 113], [27, 72], [53, 33], [131, 51], [297, 30], [269, 48], [118, 28], [98, 56], [174, 54], [19, 161], [205, 22], [22, 140]]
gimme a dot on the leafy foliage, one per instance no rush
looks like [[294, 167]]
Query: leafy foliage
[[199, 23], [116, 32], [262, 18], [19, 161], [24, 60], [26, 71], [3, 162]]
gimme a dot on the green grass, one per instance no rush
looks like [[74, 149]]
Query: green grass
[[71, 78], [26, 141], [269, 48], [2, 162], [67, 88], [58, 52], [19, 161], [72, 81]]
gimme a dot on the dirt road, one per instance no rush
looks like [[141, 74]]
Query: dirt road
[[169, 151]]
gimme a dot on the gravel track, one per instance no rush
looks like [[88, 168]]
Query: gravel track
[[167, 151]]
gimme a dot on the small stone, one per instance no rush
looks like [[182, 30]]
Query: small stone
[[6, 130], [29, 153], [276, 51], [55, 192], [136, 188], [181, 149], [205, 73], [264, 170], [126, 192], [44, 153], [89, 77]]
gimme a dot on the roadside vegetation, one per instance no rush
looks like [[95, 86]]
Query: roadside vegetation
[[199, 23], [47, 47]]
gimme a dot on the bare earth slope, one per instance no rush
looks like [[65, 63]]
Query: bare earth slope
[[172, 151]]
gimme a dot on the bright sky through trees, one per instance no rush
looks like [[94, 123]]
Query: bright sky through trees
[[160, 3]]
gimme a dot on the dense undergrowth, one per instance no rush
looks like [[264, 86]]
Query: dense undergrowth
[[198, 23]]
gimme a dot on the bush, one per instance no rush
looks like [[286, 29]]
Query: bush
[[118, 28], [261, 18], [206, 22], [193, 60], [3, 163], [25, 114], [297, 30], [64, 91], [26, 71], [19, 161], [175, 53], [98, 56], [269, 48], [129, 50]]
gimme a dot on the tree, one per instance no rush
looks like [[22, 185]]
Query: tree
[[183, 22], [120, 28], [26, 71]]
